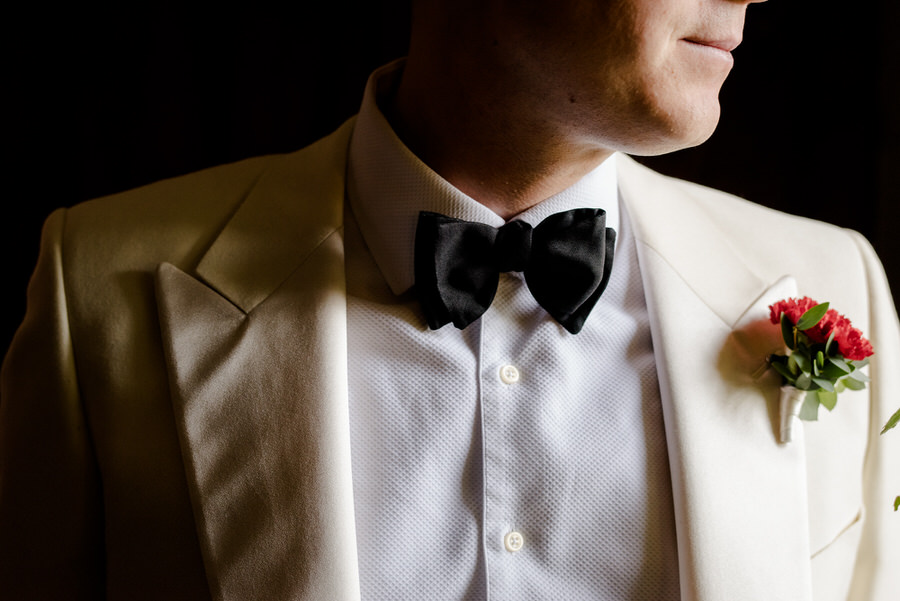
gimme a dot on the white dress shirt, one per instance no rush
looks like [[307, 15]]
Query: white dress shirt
[[511, 459]]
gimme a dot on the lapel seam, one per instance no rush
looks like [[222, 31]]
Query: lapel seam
[[337, 230], [294, 206], [671, 267]]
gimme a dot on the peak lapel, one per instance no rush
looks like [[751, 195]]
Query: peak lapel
[[740, 497], [257, 367], [293, 207]]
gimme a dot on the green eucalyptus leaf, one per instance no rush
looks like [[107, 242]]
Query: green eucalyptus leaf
[[896, 503], [792, 364], [891, 422], [787, 332], [809, 410], [803, 382], [802, 360], [782, 369], [859, 376], [824, 384], [860, 363], [812, 317], [829, 342], [840, 364], [829, 399], [852, 384], [832, 372]]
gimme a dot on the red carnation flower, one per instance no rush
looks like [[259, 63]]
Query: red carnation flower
[[850, 340], [852, 343], [793, 308]]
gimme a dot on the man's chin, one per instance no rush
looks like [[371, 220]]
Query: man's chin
[[676, 136]]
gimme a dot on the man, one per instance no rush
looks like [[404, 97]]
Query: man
[[226, 385]]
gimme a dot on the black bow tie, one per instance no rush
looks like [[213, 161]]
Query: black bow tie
[[566, 261]]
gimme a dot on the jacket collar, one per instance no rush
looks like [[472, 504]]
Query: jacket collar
[[296, 204]]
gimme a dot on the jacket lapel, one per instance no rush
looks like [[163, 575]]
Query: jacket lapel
[[257, 366], [740, 497]]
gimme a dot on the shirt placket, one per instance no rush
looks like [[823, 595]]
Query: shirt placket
[[502, 375]]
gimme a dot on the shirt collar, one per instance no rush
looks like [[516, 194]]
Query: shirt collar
[[388, 185]]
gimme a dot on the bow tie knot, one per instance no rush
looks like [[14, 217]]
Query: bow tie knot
[[512, 246], [566, 261]]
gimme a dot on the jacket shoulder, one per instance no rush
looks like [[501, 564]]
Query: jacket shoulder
[[175, 220], [722, 207], [763, 233], [185, 207]]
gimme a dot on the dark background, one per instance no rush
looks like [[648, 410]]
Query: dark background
[[99, 102]]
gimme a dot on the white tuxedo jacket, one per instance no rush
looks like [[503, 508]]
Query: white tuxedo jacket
[[174, 420]]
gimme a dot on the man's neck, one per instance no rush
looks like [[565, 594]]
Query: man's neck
[[491, 146]]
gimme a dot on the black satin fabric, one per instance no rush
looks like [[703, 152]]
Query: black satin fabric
[[566, 261]]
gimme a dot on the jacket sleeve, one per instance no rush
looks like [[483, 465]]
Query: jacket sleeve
[[876, 576], [51, 518]]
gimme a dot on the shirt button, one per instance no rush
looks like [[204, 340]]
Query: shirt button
[[513, 541], [509, 374]]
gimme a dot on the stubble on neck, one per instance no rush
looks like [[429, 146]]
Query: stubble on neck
[[485, 134]]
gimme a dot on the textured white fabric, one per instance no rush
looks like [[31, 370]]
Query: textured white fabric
[[448, 458]]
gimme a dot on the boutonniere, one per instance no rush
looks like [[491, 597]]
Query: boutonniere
[[825, 355]]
